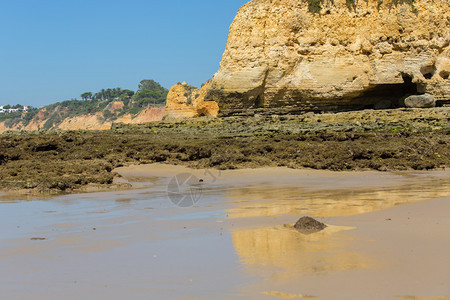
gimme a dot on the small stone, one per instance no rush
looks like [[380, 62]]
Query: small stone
[[309, 225]]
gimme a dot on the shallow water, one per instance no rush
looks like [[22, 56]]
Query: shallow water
[[232, 243]]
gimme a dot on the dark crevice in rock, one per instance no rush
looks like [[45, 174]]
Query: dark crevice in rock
[[379, 95], [428, 71], [259, 102], [259, 99]]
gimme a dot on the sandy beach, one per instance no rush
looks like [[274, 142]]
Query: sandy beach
[[387, 237]]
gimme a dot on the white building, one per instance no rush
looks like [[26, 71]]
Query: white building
[[10, 110]]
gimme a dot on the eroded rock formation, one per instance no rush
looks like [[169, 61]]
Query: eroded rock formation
[[185, 101], [281, 55]]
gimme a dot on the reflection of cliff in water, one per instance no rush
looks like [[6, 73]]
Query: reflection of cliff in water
[[257, 201], [283, 251]]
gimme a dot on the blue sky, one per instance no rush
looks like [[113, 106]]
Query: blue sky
[[53, 50]]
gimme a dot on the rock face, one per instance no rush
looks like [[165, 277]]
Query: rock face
[[86, 122], [149, 114], [347, 55], [420, 101], [185, 101]]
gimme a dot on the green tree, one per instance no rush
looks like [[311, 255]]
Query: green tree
[[127, 93], [118, 92], [86, 96], [150, 92], [149, 84], [102, 94]]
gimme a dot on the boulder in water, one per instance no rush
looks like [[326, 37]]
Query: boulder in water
[[309, 225]]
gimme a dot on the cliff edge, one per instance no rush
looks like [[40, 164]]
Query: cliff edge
[[318, 55]]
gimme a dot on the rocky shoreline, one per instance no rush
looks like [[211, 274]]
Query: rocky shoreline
[[384, 140]]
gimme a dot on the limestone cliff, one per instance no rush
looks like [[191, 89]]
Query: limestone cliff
[[349, 54], [185, 101]]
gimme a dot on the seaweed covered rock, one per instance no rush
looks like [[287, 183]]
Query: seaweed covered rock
[[319, 55], [309, 225]]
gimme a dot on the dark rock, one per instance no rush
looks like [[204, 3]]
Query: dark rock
[[309, 225]]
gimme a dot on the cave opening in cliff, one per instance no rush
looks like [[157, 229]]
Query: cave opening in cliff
[[389, 93]]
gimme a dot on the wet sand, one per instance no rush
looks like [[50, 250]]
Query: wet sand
[[387, 238]]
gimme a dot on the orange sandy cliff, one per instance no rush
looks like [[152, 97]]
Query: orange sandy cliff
[[91, 121]]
